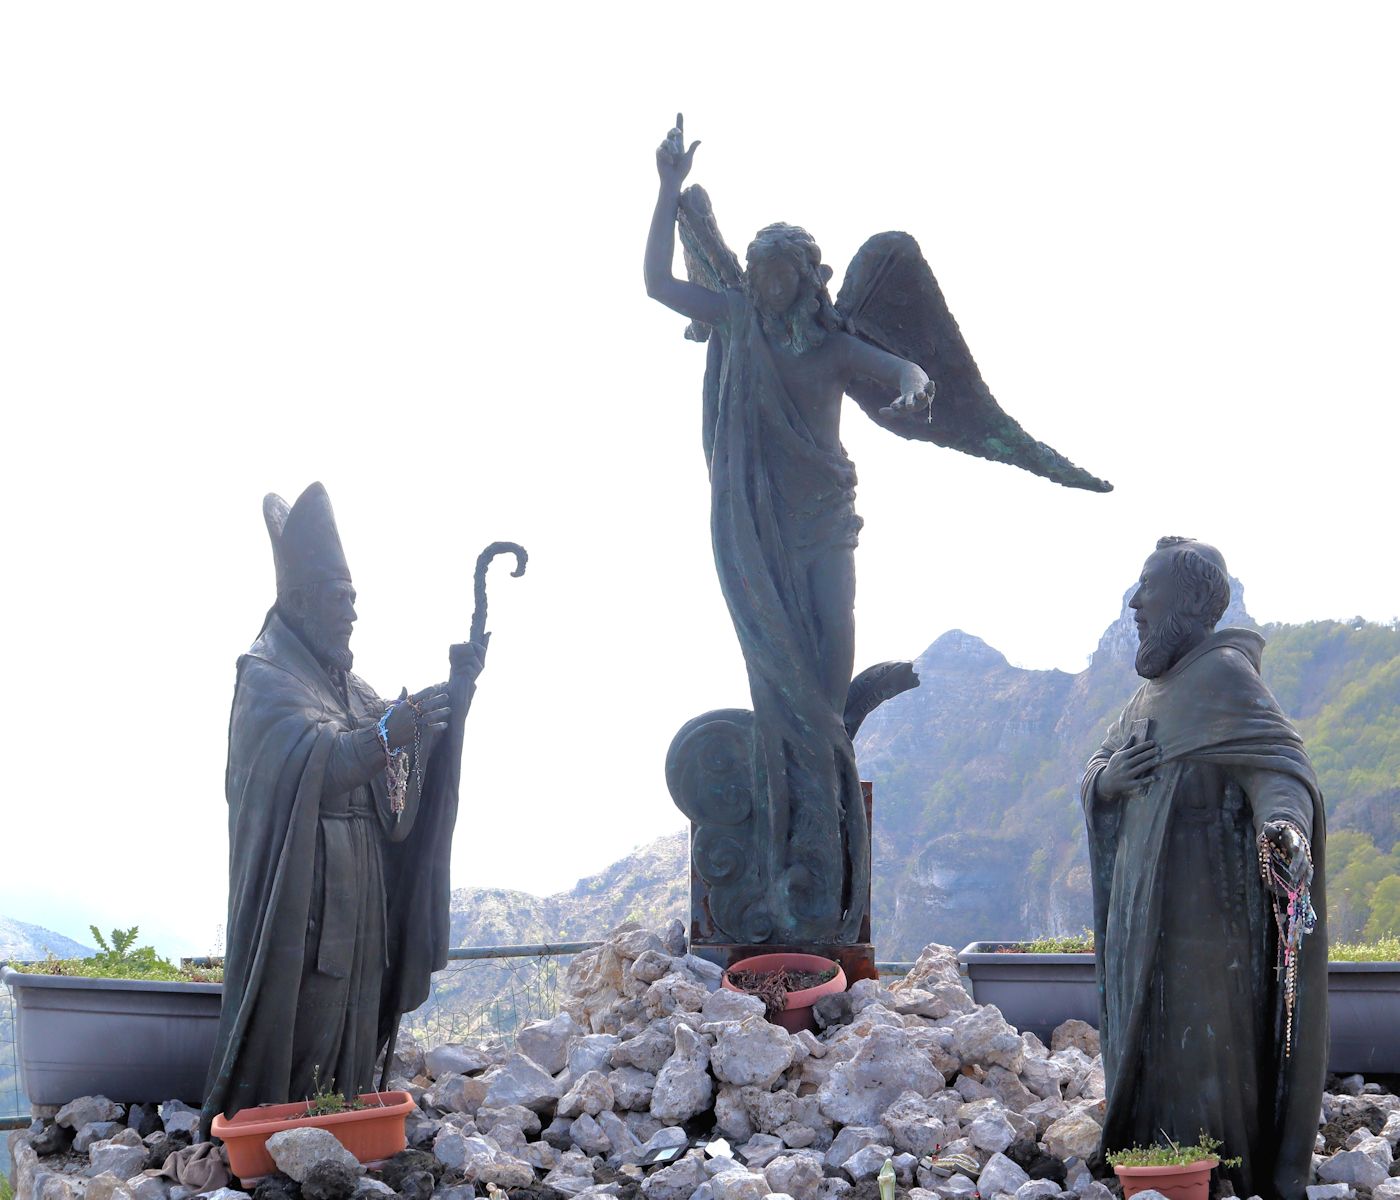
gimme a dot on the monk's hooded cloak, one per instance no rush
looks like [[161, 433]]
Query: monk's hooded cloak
[[1186, 948], [337, 912]]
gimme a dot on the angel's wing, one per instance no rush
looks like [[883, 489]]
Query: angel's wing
[[712, 264], [891, 299]]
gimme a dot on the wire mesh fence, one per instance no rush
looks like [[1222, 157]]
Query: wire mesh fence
[[13, 1102]]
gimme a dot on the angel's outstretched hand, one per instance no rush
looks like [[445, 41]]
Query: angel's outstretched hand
[[672, 158], [911, 403]]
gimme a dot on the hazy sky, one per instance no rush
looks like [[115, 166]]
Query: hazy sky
[[397, 248]]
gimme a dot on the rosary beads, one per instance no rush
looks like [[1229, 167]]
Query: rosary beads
[[396, 761], [1295, 919]]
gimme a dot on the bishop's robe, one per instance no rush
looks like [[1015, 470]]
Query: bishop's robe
[[1191, 1009], [337, 911]]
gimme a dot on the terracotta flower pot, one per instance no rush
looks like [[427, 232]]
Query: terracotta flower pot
[[797, 1010], [370, 1134], [1190, 1181]]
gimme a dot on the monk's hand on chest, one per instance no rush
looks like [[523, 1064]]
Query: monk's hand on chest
[[1128, 770]]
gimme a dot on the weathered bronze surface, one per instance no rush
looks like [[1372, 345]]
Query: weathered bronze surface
[[338, 878], [780, 838], [1199, 775]]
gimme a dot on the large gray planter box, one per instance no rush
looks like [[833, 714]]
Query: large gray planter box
[[128, 1039], [1036, 992], [1363, 1009]]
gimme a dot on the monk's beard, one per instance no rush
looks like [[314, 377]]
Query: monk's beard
[[1160, 648]]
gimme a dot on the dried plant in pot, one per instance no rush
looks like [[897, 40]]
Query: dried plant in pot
[[788, 985]]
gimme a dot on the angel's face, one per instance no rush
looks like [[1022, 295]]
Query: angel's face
[[775, 281]]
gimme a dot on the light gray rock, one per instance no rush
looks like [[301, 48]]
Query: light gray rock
[[1389, 1190], [1075, 1134], [546, 1043], [683, 1086], [851, 1139], [1352, 1085], [676, 992], [572, 1174], [591, 1094], [1044, 1113], [296, 1151], [455, 1058], [481, 1160], [1001, 1174], [371, 1189], [1377, 1149], [631, 1088], [760, 1150], [86, 1110], [796, 1175], [620, 1138], [148, 1187], [1079, 1034], [117, 1157], [732, 1117], [676, 1182], [866, 1162], [904, 1165], [524, 1119], [1354, 1167], [1329, 1191], [521, 1080], [225, 1193], [991, 1132], [888, 1063], [650, 966], [592, 1052], [588, 1136], [983, 1037], [461, 1191], [834, 1188], [455, 1092], [726, 1005], [705, 972], [1092, 1189], [753, 1052], [107, 1187], [647, 1051], [96, 1131], [1037, 1189], [1391, 1129], [179, 1117], [739, 1184]]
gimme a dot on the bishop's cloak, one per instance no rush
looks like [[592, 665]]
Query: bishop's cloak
[[338, 912]]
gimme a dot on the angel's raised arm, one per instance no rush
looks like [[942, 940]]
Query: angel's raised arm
[[689, 299]]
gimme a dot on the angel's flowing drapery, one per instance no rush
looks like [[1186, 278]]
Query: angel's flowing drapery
[[781, 505]]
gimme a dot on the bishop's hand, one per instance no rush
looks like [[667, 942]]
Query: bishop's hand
[[1128, 770], [1285, 857], [468, 659]]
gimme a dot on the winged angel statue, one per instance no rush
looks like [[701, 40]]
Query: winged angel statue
[[780, 838]]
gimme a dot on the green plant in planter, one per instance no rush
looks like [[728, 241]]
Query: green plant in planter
[[1386, 949], [326, 1100], [1172, 1154], [121, 958], [1074, 943]]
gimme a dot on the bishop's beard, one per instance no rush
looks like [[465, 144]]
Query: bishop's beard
[[1160, 647], [330, 649]]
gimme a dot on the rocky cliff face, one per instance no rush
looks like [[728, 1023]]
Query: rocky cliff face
[[978, 829], [21, 942]]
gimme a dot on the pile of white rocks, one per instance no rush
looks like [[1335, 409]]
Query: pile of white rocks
[[649, 1052]]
